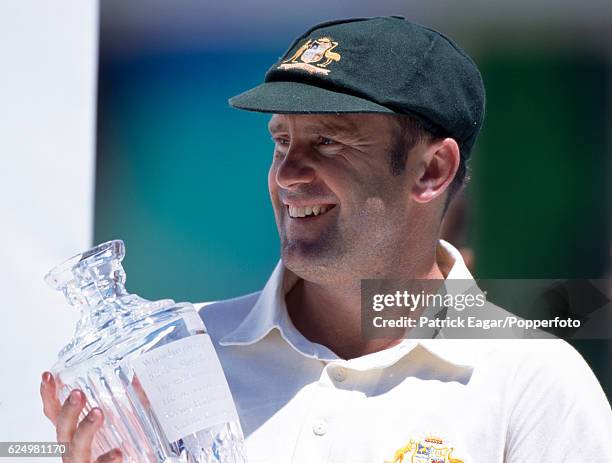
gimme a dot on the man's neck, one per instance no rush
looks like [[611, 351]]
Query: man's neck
[[331, 315]]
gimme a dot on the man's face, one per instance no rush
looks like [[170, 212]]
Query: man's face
[[341, 213]]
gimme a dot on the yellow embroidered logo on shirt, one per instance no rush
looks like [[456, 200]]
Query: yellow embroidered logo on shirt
[[309, 55], [428, 450]]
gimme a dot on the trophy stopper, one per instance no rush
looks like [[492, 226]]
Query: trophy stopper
[[94, 276]]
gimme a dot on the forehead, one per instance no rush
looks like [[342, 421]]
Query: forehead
[[336, 123]]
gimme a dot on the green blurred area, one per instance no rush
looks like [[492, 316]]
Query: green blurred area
[[541, 168], [181, 177]]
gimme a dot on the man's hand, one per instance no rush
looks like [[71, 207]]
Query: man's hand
[[65, 419]]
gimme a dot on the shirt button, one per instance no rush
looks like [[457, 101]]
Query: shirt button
[[339, 374], [319, 427]]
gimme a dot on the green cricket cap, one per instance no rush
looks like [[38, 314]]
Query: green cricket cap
[[376, 65]]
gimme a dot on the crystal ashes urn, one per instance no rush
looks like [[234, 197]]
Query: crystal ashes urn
[[150, 366]]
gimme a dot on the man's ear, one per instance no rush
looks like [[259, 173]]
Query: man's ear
[[437, 170]]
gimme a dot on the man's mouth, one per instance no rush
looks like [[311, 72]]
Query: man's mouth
[[308, 211]]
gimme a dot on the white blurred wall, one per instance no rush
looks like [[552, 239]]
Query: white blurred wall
[[48, 61]]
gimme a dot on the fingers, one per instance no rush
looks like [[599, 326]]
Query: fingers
[[51, 406], [80, 448], [68, 416], [114, 456], [65, 418]]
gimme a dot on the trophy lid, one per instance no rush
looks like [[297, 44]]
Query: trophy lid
[[91, 275]]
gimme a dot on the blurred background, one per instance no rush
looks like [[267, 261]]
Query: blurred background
[[162, 162]]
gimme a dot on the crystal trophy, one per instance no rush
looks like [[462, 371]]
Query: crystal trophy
[[150, 366]]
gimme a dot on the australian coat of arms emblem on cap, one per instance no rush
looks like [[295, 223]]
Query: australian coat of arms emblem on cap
[[313, 56], [428, 450]]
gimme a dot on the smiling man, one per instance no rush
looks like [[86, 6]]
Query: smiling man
[[373, 121], [337, 189]]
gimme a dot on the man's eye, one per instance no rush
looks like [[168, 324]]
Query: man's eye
[[281, 141], [326, 141]]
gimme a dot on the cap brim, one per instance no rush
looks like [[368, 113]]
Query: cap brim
[[299, 98]]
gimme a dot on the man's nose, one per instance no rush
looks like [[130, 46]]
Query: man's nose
[[295, 169]]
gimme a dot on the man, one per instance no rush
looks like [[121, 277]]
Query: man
[[373, 122]]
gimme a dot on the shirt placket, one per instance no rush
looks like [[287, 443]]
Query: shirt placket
[[320, 428]]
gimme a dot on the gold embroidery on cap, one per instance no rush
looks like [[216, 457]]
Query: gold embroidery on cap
[[309, 55], [428, 450]]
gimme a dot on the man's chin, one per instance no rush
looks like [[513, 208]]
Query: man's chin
[[319, 265], [306, 257]]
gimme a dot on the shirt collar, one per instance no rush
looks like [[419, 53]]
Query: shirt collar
[[270, 312]]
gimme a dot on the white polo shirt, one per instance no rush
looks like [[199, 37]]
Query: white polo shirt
[[435, 400]]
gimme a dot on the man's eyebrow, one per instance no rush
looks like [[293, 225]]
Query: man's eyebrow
[[341, 125], [275, 126]]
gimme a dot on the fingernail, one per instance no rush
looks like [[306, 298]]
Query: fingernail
[[46, 377], [94, 415], [75, 397]]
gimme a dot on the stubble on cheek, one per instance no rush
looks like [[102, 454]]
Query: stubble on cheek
[[379, 238], [374, 206]]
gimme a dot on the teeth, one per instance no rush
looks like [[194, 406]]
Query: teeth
[[306, 211]]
